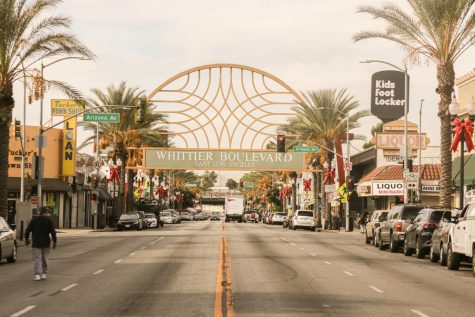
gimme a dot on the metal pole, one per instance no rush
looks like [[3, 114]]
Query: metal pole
[[347, 174], [419, 170], [23, 139], [462, 167], [40, 142], [97, 172], [406, 102]]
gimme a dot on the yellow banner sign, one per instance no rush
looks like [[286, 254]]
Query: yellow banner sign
[[69, 147], [65, 107]]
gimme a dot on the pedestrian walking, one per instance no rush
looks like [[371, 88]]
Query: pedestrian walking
[[362, 221], [41, 228], [11, 215]]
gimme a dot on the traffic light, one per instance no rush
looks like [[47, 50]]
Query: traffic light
[[142, 104], [350, 184], [281, 143], [17, 129], [92, 196], [94, 181]]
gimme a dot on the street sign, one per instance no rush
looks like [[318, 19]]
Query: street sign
[[330, 188], [248, 185], [348, 165], [191, 184], [97, 164], [412, 177], [306, 149], [411, 185], [101, 117]]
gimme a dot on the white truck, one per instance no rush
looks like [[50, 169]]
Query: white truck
[[461, 245], [233, 209]]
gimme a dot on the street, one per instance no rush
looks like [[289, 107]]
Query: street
[[191, 269]]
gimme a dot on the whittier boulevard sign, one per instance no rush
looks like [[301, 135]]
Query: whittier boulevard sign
[[161, 158]]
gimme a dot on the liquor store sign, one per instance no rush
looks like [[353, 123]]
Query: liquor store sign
[[161, 158], [388, 188]]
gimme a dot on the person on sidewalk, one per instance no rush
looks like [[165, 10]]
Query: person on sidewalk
[[362, 221], [41, 227]]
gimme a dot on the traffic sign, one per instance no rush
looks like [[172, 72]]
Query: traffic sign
[[306, 149], [101, 117], [348, 165], [412, 177], [248, 185], [191, 184], [330, 188], [411, 185], [97, 164]]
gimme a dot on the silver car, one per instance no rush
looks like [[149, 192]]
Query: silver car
[[166, 217], [304, 219], [374, 223], [8, 247]]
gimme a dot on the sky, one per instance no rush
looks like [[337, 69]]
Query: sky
[[306, 43]]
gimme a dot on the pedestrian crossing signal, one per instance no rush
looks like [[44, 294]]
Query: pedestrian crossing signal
[[17, 129]]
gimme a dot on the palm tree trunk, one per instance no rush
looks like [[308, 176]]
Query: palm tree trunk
[[6, 106], [445, 78]]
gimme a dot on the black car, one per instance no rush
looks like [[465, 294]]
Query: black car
[[8, 247], [419, 232], [440, 238], [130, 221]]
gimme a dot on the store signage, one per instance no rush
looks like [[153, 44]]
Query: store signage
[[65, 107], [69, 147], [430, 188], [387, 94], [388, 188], [169, 158], [393, 141]]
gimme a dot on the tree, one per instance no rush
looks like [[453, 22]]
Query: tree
[[439, 31], [128, 132], [231, 184], [28, 36], [208, 179], [321, 120], [374, 129]]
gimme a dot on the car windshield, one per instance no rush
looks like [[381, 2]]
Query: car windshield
[[303, 213], [410, 212], [128, 217], [165, 214], [281, 214], [436, 215], [149, 215]]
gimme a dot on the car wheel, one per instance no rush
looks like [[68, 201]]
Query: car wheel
[[420, 253], [381, 245], [406, 250], [312, 229], [367, 240], [12, 258], [442, 256], [392, 245], [434, 257], [453, 259]]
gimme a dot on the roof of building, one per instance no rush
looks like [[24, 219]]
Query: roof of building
[[430, 172]]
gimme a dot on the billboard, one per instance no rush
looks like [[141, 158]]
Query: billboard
[[69, 147], [387, 95], [65, 107]]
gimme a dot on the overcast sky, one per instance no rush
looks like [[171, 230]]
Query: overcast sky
[[306, 43]]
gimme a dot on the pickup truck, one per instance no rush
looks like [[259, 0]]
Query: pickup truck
[[461, 246]]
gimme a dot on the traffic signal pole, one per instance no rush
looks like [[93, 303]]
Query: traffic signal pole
[[347, 174]]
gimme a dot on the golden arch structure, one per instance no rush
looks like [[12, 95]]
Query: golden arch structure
[[222, 116], [224, 106]]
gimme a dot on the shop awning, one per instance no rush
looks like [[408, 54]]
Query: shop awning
[[469, 170], [104, 194], [49, 184]]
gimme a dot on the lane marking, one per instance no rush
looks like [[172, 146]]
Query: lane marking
[[326, 306], [132, 254], [284, 239], [348, 273], [313, 254], [98, 272], [327, 262], [67, 288], [23, 311], [293, 244], [218, 312], [418, 312], [118, 261], [142, 248], [377, 290], [301, 248], [153, 242]]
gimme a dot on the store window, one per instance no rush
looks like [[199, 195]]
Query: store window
[[52, 202]]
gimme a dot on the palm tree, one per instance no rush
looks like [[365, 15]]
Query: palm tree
[[439, 31], [27, 37], [321, 120], [126, 133]]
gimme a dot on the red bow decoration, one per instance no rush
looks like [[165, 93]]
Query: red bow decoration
[[466, 128], [114, 173], [161, 191], [329, 176], [179, 198], [307, 185], [286, 192]]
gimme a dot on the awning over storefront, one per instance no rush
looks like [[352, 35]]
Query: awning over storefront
[[104, 194], [468, 172], [49, 184]]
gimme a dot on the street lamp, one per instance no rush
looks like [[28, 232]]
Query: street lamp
[[40, 142], [420, 151], [406, 104], [459, 135]]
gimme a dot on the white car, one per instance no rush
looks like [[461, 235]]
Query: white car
[[304, 219], [151, 220], [278, 218], [166, 217]]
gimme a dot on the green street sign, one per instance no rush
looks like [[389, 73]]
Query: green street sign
[[248, 185], [191, 185], [101, 117], [307, 149]]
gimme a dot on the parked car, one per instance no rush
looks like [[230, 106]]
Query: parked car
[[215, 216], [141, 214], [393, 231], [8, 246], [303, 219], [461, 246], [186, 216], [418, 237], [278, 218], [175, 215], [373, 223], [269, 217], [152, 221], [199, 216], [285, 223], [130, 221], [166, 216], [440, 238]]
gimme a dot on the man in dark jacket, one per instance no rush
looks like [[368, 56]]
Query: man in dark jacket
[[41, 227]]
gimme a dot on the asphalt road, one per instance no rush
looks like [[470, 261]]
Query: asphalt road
[[216, 269]]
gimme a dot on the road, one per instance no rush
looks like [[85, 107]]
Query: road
[[216, 269]]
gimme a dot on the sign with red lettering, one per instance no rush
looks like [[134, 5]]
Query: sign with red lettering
[[388, 188]]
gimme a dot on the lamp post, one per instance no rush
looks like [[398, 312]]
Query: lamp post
[[454, 109], [406, 105], [23, 138], [40, 142], [420, 152]]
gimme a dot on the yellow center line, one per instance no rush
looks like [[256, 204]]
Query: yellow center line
[[218, 312], [224, 281]]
